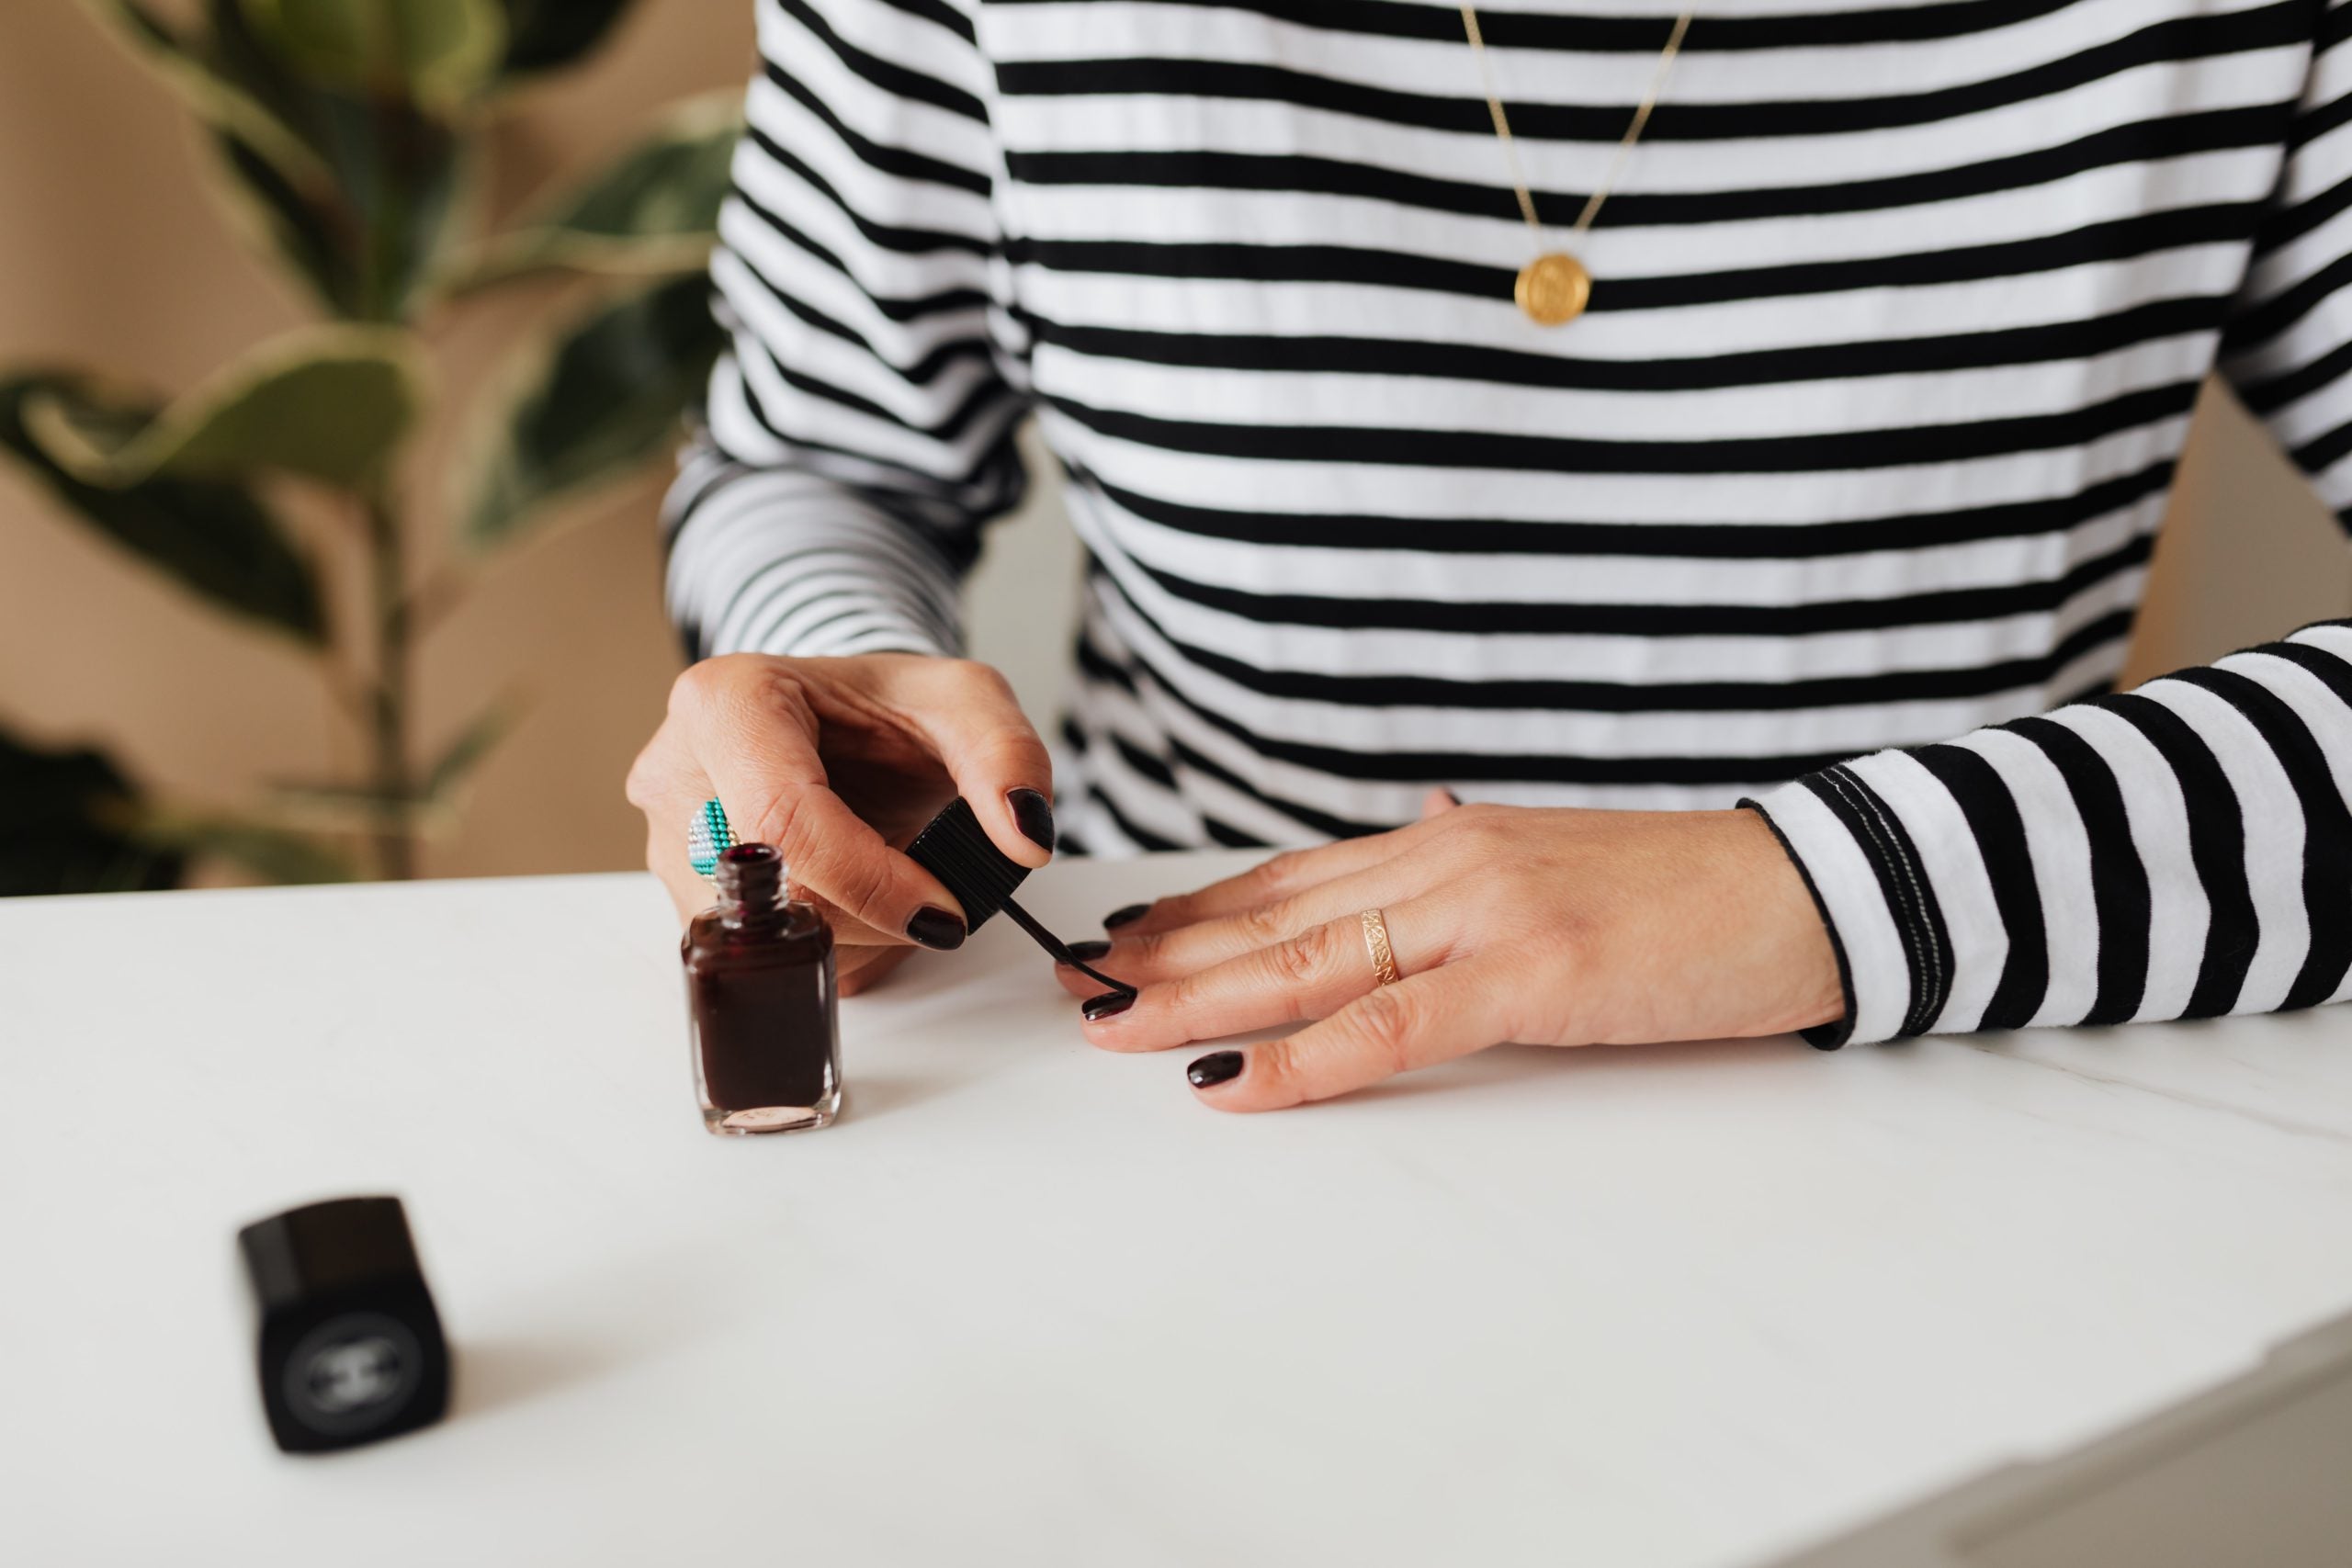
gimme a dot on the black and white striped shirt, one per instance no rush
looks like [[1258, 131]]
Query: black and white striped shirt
[[1900, 312]]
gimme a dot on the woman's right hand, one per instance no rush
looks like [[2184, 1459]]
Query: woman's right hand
[[838, 762]]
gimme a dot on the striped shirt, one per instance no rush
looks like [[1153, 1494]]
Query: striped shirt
[[1899, 314]]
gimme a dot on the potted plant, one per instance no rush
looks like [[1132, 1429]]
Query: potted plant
[[350, 139]]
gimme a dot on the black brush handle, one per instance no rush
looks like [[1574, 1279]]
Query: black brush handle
[[1058, 949]]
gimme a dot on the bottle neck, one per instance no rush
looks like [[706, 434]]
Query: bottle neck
[[751, 896]]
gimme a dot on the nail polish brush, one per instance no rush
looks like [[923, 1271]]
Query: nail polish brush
[[956, 849]]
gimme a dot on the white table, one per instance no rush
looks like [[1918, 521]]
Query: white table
[[1030, 1303]]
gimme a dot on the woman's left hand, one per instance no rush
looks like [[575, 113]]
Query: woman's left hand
[[1551, 927]]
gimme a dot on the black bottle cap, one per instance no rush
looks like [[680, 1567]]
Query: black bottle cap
[[956, 849], [350, 1349]]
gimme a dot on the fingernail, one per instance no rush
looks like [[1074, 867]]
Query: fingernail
[[1033, 815], [1108, 1005], [936, 929], [1449, 794], [1088, 951], [1118, 918], [1217, 1068]]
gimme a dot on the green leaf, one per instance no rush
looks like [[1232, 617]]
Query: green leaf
[[274, 854], [653, 212], [318, 240], [217, 98], [436, 53], [329, 403], [366, 237], [547, 34], [607, 395], [213, 536], [67, 826]]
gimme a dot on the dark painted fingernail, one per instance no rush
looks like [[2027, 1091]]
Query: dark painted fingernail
[[1217, 1068], [1034, 814], [1449, 794], [1118, 918], [1108, 1005], [1088, 951], [936, 929]]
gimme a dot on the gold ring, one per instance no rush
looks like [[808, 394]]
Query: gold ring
[[1376, 943]]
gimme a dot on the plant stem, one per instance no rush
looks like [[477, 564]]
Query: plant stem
[[395, 843]]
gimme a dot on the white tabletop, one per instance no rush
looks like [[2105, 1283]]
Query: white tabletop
[[1028, 1302]]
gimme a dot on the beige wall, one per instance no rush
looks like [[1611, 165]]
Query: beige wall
[[112, 254]]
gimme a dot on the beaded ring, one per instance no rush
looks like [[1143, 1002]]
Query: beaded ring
[[708, 836]]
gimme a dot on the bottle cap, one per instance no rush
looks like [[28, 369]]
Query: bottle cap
[[956, 849], [350, 1347]]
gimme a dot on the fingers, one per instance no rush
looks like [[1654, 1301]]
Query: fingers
[[1270, 881], [1423, 1020], [1311, 974], [665, 785], [1157, 957], [1438, 802], [990, 750], [754, 734]]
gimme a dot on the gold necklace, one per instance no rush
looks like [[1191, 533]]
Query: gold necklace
[[1555, 287]]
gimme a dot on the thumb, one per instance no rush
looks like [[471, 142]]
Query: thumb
[[992, 751], [1438, 802]]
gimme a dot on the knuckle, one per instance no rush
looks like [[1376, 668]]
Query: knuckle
[[1174, 910], [1386, 1021], [1480, 831], [864, 891], [735, 689], [1144, 954], [1300, 960], [976, 679], [697, 685], [1262, 925], [783, 820], [1282, 870], [1273, 1072], [638, 785], [1183, 993]]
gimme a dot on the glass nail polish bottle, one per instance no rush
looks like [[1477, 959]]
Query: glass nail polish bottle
[[761, 996]]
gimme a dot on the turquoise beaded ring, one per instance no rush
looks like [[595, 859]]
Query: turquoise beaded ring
[[708, 836]]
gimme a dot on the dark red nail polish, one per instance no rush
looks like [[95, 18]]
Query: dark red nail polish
[[1108, 1005], [937, 930], [760, 975], [1088, 951], [1118, 918], [1217, 1068], [1033, 815]]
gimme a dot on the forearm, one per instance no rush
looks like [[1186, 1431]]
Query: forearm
[[859, 432]]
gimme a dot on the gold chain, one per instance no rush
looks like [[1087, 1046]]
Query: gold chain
[[1554, 288]]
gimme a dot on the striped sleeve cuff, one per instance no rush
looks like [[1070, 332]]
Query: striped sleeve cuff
[[787, 561], [1858, 860], [2182, 851]]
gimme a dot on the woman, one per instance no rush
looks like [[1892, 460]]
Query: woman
[[1896, 315]]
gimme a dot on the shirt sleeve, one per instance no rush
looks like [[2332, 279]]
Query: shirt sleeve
[[860, 429], [2181, 851]]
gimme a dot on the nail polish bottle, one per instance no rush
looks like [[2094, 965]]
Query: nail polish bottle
[[762, 1003]]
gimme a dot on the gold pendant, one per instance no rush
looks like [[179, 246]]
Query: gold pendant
[[1553, 289]]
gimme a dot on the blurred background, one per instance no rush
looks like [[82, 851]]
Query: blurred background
[[523, 489]]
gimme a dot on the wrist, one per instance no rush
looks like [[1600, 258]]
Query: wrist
[[1792, 932]]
